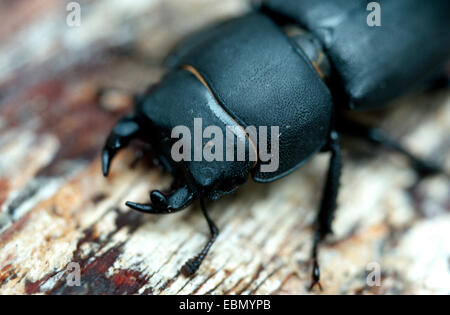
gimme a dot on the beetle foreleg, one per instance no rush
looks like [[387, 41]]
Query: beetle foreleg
[[126, 129], [328, 204], [192, 265]]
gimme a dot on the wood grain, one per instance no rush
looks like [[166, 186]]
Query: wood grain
[[56, 208]]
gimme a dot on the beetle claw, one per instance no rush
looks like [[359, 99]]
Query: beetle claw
[[315, 284], [315, 277]]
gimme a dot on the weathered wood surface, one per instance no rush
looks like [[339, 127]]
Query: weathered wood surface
[[56, 208]]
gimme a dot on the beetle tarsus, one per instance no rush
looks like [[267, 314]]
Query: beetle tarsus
[[315, 276], [315, 281], [192, 265]]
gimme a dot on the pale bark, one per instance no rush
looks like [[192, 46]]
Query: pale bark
[[56, 208]]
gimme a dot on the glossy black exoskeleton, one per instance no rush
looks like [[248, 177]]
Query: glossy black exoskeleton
[[292, 64]]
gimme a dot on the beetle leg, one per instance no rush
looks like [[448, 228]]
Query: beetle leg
[[192, 265], [328, 203], [180, 199], [126, 129], [162, 204], [378, 136]]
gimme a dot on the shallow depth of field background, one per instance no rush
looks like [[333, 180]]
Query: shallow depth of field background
[[56, 208]]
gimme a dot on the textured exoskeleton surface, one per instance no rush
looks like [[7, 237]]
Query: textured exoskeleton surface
[[376, 64], [262, 79]]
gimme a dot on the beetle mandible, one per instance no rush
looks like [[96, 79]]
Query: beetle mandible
[[293, 64]]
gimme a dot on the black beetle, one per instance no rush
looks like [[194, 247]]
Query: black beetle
[[293, 64]]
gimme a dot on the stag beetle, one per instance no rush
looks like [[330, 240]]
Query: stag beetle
[[296, 64]]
